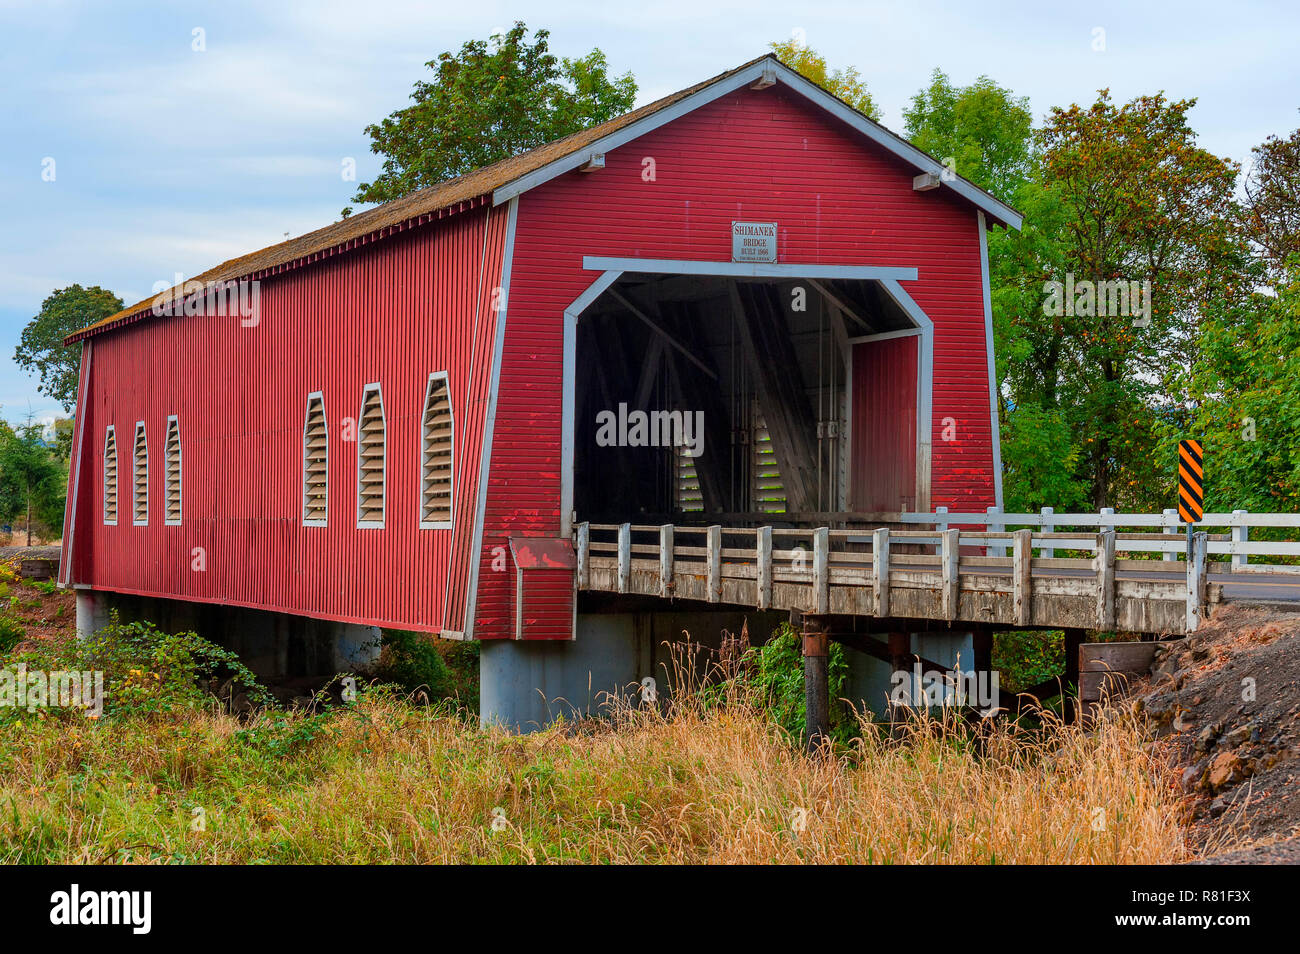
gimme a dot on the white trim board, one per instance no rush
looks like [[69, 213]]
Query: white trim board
[[994, 427], [767, 67], [683, 266], [489, 425]]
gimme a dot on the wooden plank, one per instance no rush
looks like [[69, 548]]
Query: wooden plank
[[950, 551], [715, 564], [1129, 656], [764, 544], [584, 556], [821, 578], [624, 556], [880, 572], [665, 559], [1104, 566], [1022, 566]]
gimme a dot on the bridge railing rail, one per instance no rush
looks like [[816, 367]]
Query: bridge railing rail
[[947, 555]]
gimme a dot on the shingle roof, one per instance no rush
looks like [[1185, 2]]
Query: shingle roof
[[421, 206]]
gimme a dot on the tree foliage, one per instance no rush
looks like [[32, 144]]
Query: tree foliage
[[33, 481], [847, 83], [1271, 213], [41, 348], [494, 99]]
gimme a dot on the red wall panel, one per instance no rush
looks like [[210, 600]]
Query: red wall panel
[[759, 155], [391, 311], [883, 442]]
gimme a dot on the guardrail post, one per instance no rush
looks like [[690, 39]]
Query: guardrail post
[[940, 524], [821, 569], [665, 559], [624, 557], [715, 564], [1103, 562], [1196, 570], [995, 526], [1171, 526], [584, 555], [1022, 576], [880, 572], [1240, 534], [950, 553], [1049, 526], [764, 543]]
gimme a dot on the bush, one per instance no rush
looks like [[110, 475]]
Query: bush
[[149, 672], [412, 661], [11, 632], [773, 673]]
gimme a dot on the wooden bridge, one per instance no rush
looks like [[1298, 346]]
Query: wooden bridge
[[1105, 571]]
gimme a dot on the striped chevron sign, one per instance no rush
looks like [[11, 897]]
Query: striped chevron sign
[[1191, 482]]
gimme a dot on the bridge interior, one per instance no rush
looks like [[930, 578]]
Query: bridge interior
[[751, 382]]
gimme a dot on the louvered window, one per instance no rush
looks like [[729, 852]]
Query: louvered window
[[315, 463], [436, 432], [371, 458], [768, 489], [110, 476], [140, 477], [687, 481], [173, 477]]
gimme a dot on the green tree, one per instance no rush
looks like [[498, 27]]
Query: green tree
[[847, 84], [1271, 213], [983, 130], [41, 348], [494, 99], [33, 482]]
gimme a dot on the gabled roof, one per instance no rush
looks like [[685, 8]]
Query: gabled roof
[[511, 177]]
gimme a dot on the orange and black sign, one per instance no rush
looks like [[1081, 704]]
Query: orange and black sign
[[1191, 482]]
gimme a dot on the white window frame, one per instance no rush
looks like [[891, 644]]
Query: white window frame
[[383, 420], [180, 473], [135, 440], [306, 421], [451, 485], [111, 431]]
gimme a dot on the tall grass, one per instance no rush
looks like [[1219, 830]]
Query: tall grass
[[704, 779]]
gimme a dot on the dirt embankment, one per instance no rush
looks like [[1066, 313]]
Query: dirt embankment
[[1226, 704]]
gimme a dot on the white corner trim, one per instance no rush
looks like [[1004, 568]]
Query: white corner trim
[[489, 425], [994, 428], [424, 450], [568, 414], [383, 421]]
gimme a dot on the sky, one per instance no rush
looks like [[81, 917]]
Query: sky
[[182, 134]]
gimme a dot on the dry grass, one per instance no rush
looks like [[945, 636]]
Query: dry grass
[[386, 781]]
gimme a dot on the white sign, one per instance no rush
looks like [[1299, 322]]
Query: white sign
[[753, 241]]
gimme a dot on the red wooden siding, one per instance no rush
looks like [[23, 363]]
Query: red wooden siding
[[390, 312], [756, 155], [883, 440]]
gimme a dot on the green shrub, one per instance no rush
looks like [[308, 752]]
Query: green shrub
[[11, 633], [1024, 659], [412, 661], [149, 672], [773, 673]]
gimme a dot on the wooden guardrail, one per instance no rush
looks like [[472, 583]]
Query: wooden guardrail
[[945, 574]]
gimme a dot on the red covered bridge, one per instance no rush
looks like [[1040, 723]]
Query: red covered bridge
[[745, 303]]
